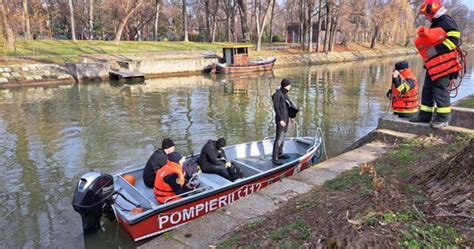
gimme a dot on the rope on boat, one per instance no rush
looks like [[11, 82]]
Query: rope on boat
[[323, 142]]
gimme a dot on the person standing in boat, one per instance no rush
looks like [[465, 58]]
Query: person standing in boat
[[156, 161], [213, 160], [284, 110], [170, 179]]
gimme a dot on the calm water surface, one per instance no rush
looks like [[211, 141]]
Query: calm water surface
[[49, 137]]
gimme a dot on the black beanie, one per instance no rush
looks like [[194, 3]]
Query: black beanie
[[401, 65], [220, 143], [167, 143], [285, 82], [175, 157]]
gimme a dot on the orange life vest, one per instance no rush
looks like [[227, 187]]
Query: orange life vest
[[162, 189], [407, 102], [441, 64]]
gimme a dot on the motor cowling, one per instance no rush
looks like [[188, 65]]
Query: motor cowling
[[93, 197]]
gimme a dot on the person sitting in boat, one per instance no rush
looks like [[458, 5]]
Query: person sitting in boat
[[156, 161], [213, 160], [170, 179]]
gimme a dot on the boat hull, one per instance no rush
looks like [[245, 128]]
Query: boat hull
[[175, 216], [259, 67]]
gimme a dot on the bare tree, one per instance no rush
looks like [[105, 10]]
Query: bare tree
[[91, 19], [318, 32], [157, 17], [129, 11], [261, 23], [185, 21], [26, 20], [271, 20], [7, 27], [229, 7], [244, 20], [71, 18]]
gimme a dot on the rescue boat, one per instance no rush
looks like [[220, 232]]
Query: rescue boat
[[134, 206]]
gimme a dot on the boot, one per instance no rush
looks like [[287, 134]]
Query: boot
[[438, 124], [419, 119]]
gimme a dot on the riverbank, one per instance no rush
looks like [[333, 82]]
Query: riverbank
[[378, 194], [398, 200], [158, 62]]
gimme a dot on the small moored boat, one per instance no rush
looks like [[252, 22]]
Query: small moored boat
[[137, 211], [236, 60]]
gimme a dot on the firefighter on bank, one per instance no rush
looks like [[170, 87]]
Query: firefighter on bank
[[437, 46], [404, 91]]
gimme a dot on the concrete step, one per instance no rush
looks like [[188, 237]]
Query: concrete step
[[403, 125], [462, 117], [383, 135]]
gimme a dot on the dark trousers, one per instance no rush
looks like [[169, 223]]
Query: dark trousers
[[216, 169], [279, 140], [436, 92]]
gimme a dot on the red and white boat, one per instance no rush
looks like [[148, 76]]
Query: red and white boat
[[135, 207], [236, 60]]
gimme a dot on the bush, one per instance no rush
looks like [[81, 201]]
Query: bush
[[278, 38]]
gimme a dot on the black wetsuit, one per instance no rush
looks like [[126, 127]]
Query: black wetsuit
[[211, 161]]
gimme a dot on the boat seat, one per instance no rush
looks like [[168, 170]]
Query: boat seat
[[213, 180]]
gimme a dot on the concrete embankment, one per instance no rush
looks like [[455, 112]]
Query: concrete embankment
[[219, 225], [163, 64]]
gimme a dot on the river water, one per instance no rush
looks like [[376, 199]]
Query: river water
[[50, 136]]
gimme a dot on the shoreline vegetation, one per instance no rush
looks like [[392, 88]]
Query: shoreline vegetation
[[414, 196], [61, 51]]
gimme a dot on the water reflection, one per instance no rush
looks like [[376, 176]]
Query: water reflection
[[51, 136]]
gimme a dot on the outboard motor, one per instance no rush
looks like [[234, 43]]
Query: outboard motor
[[92, 198]]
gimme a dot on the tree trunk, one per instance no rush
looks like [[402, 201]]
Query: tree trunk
[[71, 18], [185, 21], [228, 13], [7, 27], [26, 19], [260, 24], [157, 17], [124, 21], [310, 27], [244, 20], [208, 21], [328, 25], [91, 19], [318, 32], [374, 38], [334, 32], [302, 26], [271, 20]]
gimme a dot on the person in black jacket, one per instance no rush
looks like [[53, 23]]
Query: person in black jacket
[[156, 161], [281, 103], [212, 159]]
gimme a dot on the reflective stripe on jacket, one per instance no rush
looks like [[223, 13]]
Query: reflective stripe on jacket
[[405, 101], [162, 189]]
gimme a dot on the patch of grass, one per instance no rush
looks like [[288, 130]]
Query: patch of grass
[[347, 180], [429, 236], [297, 229], [231, 242], [467, 102], [405, 153], [386, 218]]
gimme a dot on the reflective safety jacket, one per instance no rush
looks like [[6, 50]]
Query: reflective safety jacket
[[437, 46], [405, 97], [163, 191]]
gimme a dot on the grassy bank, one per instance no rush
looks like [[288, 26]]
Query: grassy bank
[[467, 102], [59, 51], [383, 204]]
